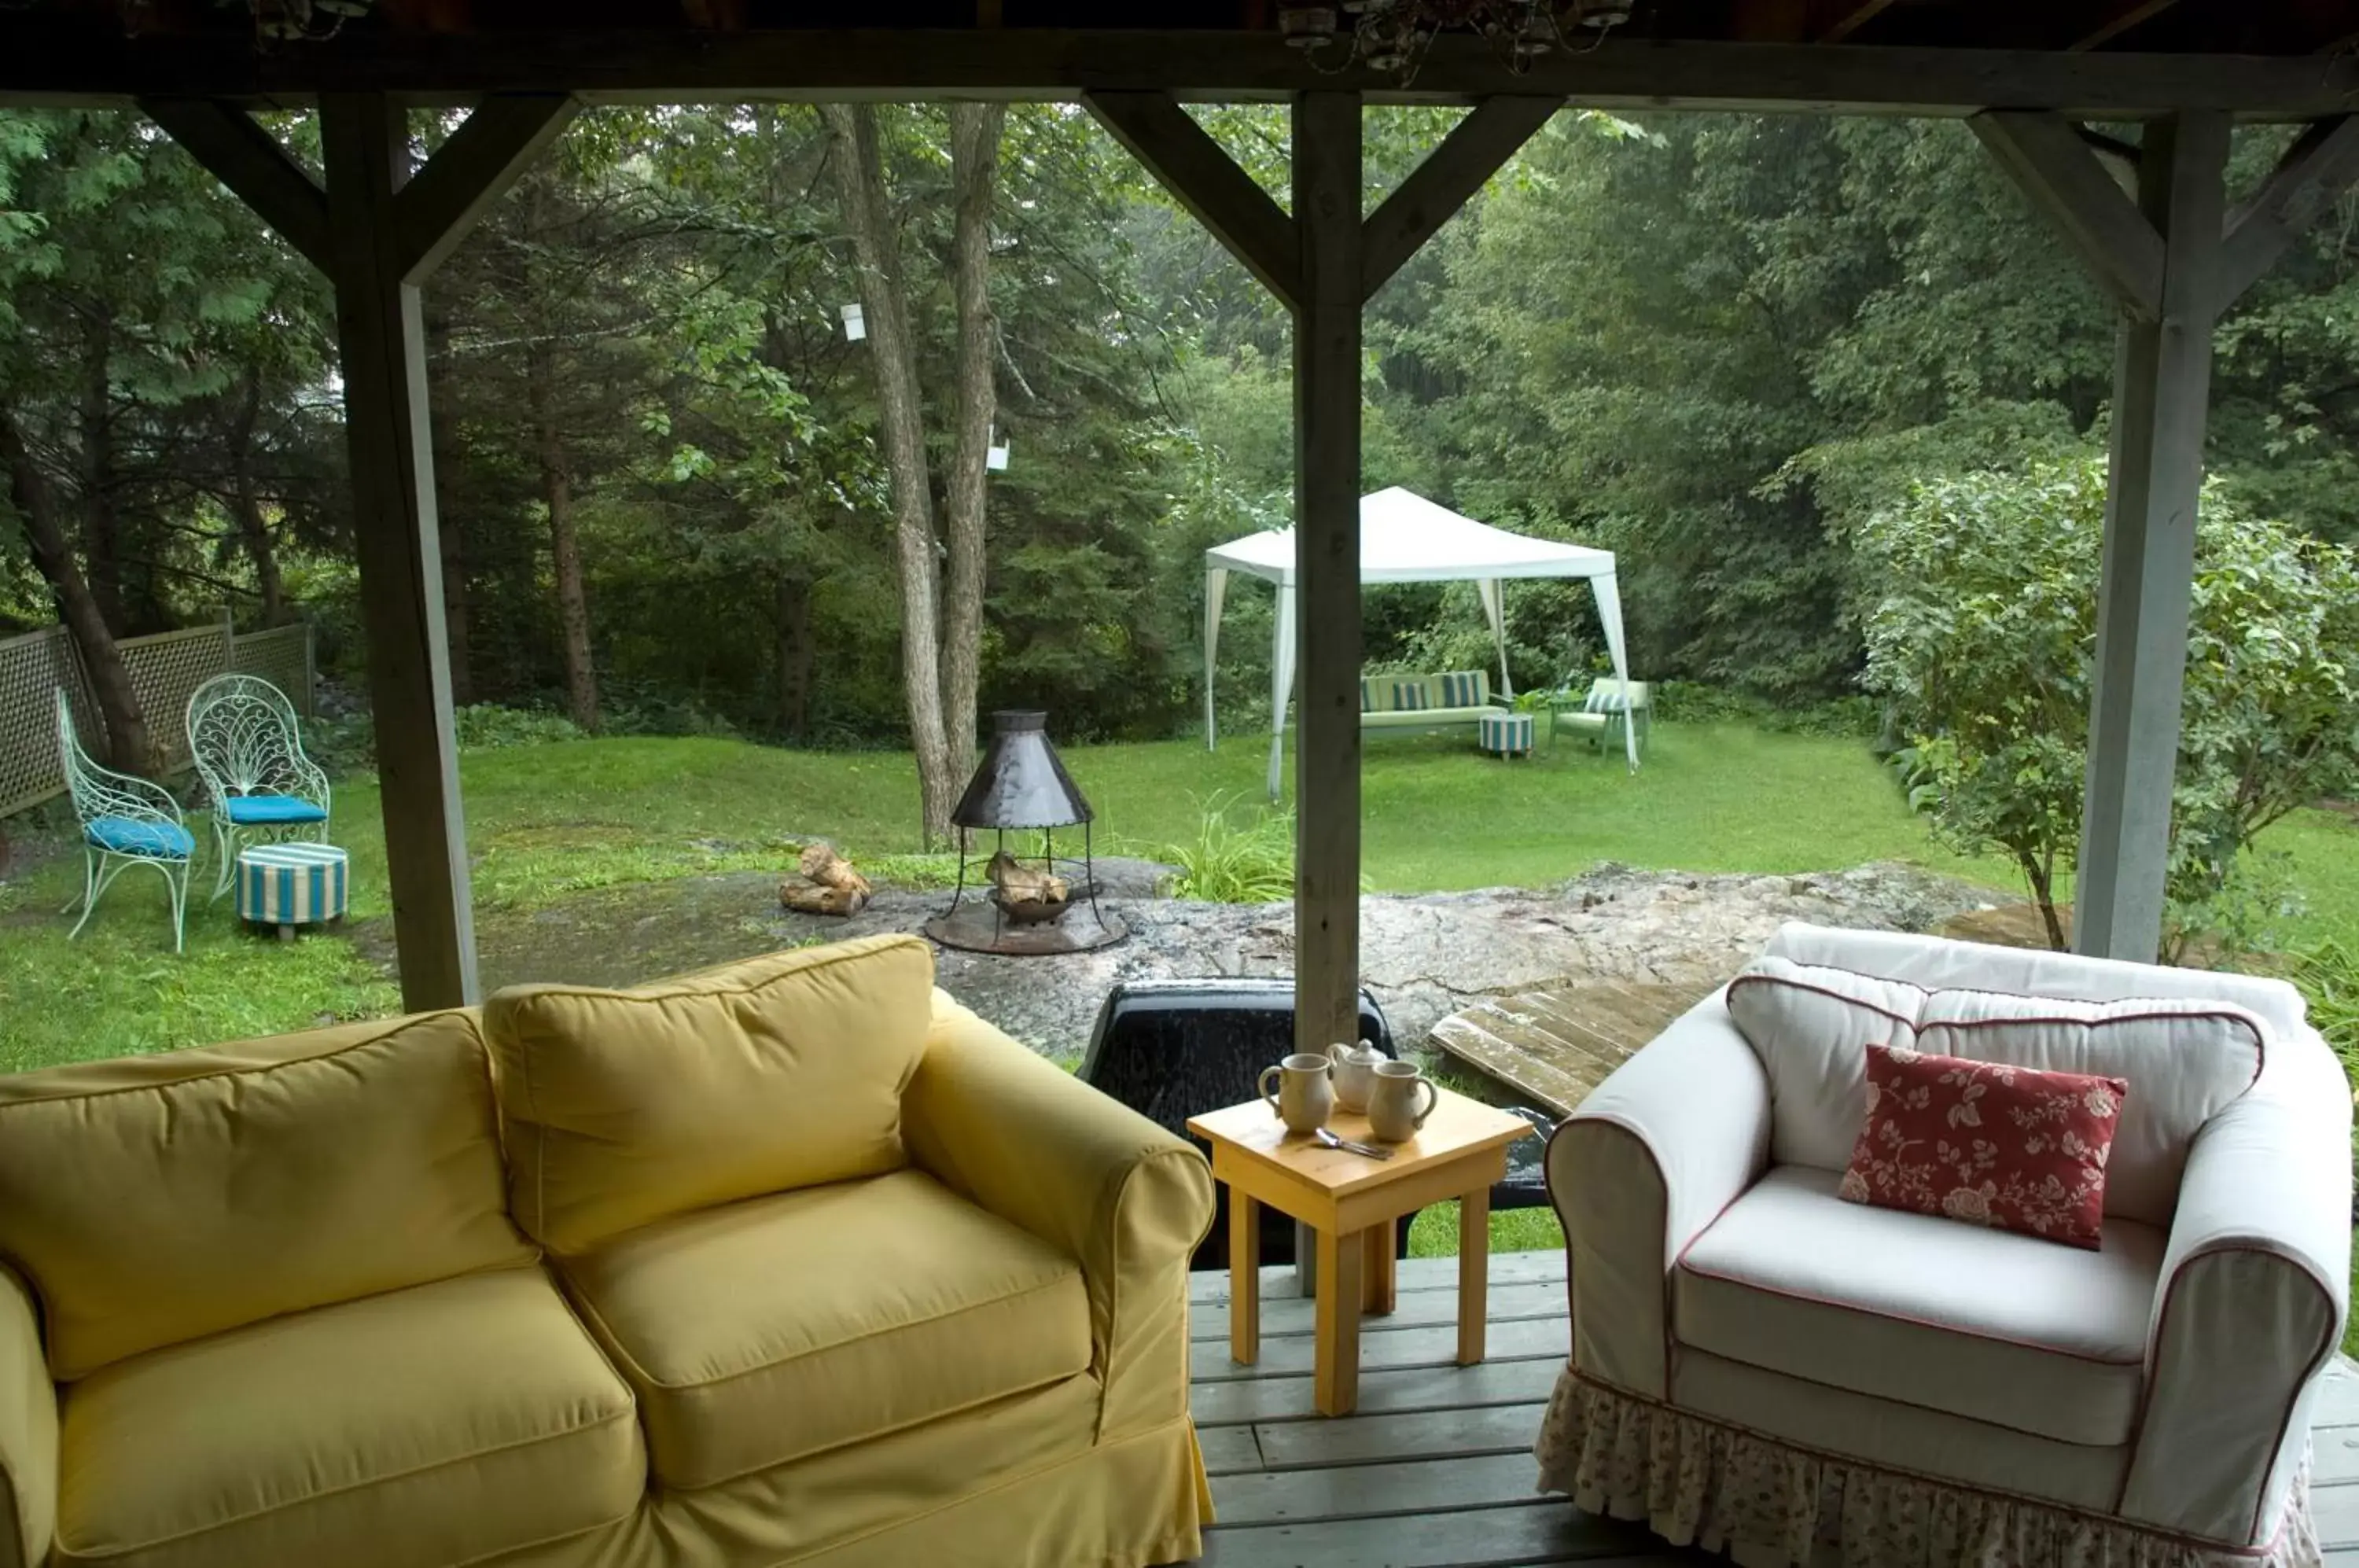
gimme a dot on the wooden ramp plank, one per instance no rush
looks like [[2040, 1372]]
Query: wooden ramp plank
[[1208, 1360], [1369, 1491], [1557, 1045], [1396, 1391]]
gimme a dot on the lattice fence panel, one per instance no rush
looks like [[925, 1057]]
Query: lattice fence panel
[[283, 657], [165, 670], [31, 669]]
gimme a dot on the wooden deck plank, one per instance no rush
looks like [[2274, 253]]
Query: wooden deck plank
[[2336, 1510], [1412, 1309], [1229, 1449], [1399, 1391], [1431, 1434], [1278, 1282], [2338, 1397], [1371, 1491], [1380, 1346], [1513, 1533], [1555, 1046]]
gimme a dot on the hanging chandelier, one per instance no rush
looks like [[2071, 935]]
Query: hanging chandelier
[[1391, 37]]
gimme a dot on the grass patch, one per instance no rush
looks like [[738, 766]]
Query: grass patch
[[548, 822], [1434, 1232]]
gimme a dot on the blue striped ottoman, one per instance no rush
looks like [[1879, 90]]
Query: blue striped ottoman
[[291, 885], [1505, 735]]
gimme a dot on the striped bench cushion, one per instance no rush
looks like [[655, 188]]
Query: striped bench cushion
[[292, 884], [1424, 694], [1465, 688]]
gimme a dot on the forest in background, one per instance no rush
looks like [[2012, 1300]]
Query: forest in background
[[1716, 345]]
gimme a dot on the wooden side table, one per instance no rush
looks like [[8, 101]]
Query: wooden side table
[[1351, 1202]]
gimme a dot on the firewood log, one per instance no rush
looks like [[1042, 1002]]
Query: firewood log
[[807, 898], [1021, 884], [821, 864]]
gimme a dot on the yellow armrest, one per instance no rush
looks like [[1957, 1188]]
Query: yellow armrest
[[29, 1431], [1129, 1201]]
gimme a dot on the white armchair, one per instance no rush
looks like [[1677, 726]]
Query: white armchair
[[1760, 1366]]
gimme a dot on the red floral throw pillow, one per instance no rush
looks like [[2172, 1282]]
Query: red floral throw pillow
[[1987, 1143]]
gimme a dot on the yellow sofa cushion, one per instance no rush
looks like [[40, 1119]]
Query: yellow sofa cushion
[[163, 1198], [435, 1425], [622, 1108], [768, 1329]]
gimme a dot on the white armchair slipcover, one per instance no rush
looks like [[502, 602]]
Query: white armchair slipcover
[[1759, 1366]]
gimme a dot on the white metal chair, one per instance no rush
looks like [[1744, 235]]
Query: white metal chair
[[125, 822], [248, 749]]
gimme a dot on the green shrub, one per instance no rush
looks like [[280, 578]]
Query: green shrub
[[487, 726], [2329, 978], [1224, 863]]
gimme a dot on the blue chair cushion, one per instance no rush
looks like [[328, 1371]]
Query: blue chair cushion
[[129, 835], [247, 809]]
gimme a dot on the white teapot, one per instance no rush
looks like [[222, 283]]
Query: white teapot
[[1355, 1072]]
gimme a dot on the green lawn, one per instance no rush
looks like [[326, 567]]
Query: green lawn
[[547, 821]]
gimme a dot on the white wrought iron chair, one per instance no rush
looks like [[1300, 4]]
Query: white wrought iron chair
[[248, 749], [125, 822]]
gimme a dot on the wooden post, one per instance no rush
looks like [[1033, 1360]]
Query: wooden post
[[1327, 573], [378, 233], [2162, 381], [1322, 262], [2174, 260], [382, 335]]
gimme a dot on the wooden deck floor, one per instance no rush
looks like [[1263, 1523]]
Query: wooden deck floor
[[1436, 1469]]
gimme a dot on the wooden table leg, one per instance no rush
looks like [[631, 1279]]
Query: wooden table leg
[[1335, 1387], [1245, 1279], [1473, 1273], [1379, 1293]]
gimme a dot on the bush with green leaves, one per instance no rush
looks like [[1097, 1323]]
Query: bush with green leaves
[[487, 726], [1981, 626], [1229, 864]]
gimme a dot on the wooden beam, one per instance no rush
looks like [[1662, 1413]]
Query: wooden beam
[[2118, 18], [2314, 173], [2161, 396], [1451, 173], [1327, 173], [2065, 180], [253, 164], [471, 171], [1850, 16], [45, 60], [1204, 180], [398, 545]]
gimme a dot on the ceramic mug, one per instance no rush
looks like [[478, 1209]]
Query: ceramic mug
[[1355, 1073], [1393, 1115], [1304, 1099]]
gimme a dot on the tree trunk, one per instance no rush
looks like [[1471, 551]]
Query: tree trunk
[[974, 166], [796, 653], [443, 430], [564, 541], [101, 544], [126, 725], [860, 185], [2041, 875], [252, 528]]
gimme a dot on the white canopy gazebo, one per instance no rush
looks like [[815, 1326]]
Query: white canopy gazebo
[[1404, 538]]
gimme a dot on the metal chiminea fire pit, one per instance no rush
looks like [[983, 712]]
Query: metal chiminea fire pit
[[1025, 905]]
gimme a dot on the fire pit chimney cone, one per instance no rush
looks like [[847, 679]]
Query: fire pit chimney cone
[[1024, 789], [1022, 783]]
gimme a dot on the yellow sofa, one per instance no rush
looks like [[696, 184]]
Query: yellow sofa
[[797, 1261]]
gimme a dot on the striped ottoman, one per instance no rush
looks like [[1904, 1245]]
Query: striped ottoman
[[291, 885], [1505, 735]]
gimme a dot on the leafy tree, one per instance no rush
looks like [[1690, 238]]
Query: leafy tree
[[1981, 632]]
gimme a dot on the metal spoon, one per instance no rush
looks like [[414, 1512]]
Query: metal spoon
[[1331, 1141]]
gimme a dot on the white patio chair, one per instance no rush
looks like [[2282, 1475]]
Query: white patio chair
[[125, 822], [243, 737]]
